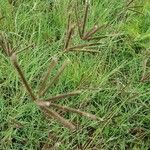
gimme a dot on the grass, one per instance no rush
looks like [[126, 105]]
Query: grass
[[115, 81]]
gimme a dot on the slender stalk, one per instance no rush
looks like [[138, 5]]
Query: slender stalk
[[91, 32], [2, 18], [70, 32], [18, 45], [50, 113], [78, 24], [146, 77], [59, 72], [144, 69], [68, 23], [129, 3], [4, 44], [50, 143], [24, 81], [96, 38], [9, 51], [136, 11], [94, 30], [102, 37], [68, 109], [82, 113], [84, 50], [85, 17], [138, 6], [25, 48], [63, 96], [45, 78], [84, 45]]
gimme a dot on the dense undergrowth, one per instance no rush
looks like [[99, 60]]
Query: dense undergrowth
[[115, 81]]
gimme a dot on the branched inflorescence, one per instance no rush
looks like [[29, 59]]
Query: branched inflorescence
[[84, 35], [47, 104]]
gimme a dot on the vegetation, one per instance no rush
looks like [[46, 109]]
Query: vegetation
[[101, 94]]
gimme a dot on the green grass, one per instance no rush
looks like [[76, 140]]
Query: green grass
[[111, 78]]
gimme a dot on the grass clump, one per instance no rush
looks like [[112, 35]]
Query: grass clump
[[110, 66]]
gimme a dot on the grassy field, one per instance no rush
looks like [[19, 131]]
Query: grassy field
[[115, 82]]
